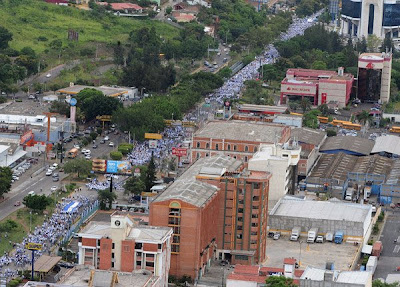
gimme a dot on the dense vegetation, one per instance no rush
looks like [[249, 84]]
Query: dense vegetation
[[149, 115]]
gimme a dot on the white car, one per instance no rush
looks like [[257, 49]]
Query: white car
[[106, 138], [77, 146], [49, 172], [53, 188], [111, 144], [88, 156], [83, 150], [55, 165], [87, 152], [52, 168], [48, 75]]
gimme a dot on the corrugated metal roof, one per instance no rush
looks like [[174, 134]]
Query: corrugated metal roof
[[353, 144], [388, 143], [308, 136], [354, 277], [321, 210]]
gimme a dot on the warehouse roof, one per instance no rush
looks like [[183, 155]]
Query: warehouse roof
[[242, 131], [353, 144], [322, 210], [354, 277], [308, 136], [195, 192], [388, 144]]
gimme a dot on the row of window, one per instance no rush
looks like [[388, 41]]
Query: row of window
[[228, 147], [207, 155]]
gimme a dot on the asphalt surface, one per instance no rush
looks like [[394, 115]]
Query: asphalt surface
[[390, 256]]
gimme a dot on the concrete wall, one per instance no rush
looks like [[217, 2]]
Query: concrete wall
[[239, 283], [392, 117], [287, 223]]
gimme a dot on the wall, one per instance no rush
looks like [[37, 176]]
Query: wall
[[239, 283], [335, 90], [287, 223]]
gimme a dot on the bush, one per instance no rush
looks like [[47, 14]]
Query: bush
[[125, 148], [87, 52], [375, 229], [331, 133], [116, 155], [381, 217], [8, 225], [42, 39]]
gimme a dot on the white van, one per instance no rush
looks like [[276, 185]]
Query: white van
[[31, 192]]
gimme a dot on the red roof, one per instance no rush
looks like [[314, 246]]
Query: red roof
[[57, 1], [290, 261], [246, 269], [251, 278], [123, 6]]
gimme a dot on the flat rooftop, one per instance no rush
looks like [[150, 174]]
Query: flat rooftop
[[348, 277], [242, 131], [322, 210], [195, 192], [388, 144], [141, 233], [108, 91]]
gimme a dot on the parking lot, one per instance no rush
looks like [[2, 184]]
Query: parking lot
[[316, 254]]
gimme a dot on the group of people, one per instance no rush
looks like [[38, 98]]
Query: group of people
[[48, 235], [96, 184], [142, 151], [232, 87]]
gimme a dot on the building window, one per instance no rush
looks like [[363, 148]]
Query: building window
[[253, 241], [207, 154], [240, 210], [197, 155], [246, 148], [255, 149], [241, 257], [149, 264], [240, 227], [113, 246], [254, 224], [245, 159], [240, 219], [256, 185], [371, 19], [207, 145], [254, 216], [175, 216], [159, 246], [198, 144], [229, 147], [112, 264], [241, 201], [112, 255], [138, 245], [139, 263], [235, 147], [256, 198], [239, 236], [216, 146], [253, 233]]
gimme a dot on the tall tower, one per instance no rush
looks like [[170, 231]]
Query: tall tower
[[371, 18]]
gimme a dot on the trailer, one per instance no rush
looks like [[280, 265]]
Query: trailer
[[371, 264]]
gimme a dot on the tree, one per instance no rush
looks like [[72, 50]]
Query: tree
[[364, 117], [150, 174], [119, 54], [373, 43], [5, 37], [324, 109], [80, 166], [310, 119], [5, 180], [270, 73], [319, 65], [168, 10], [60, 107], [331, 133], [135, 185], [116, 155], [106, 198], [379, 283], [305, 104], [37, 202], [279, 281]]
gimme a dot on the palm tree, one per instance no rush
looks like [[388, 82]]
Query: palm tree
[[364, 117], [305, 104], [106, 197]]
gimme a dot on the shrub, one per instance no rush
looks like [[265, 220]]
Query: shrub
[[331, 133], [375, 229], [42, 39], [116, 155], [125, 148]]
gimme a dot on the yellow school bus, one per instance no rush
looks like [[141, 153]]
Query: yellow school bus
[[395, 129], [323, 120], [351, 126]]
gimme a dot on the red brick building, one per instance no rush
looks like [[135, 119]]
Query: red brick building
[[124, 246], [217, 208], [238, 139]]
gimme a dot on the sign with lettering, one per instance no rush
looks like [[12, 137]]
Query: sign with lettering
[[33, 246], [178, 151]]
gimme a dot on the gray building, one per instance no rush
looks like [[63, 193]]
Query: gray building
[[328, 216]]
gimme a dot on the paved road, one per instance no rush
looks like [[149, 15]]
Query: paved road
[[390, 257]]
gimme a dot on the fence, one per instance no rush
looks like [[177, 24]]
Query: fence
[[76, 226]]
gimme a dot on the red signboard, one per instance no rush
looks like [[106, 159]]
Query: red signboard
[[26, 137], [178, 151], [323, 98]]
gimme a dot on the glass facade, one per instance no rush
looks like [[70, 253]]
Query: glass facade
[[391, 15], [371, 19], [351, 8]]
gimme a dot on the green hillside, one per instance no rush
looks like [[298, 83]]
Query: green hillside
[[30, 19]]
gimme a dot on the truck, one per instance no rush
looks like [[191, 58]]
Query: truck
[[367, 191], [312, 235], [295, 233], [339, 235], [371, 264], [329, 236], [349, 194], [377, 248]]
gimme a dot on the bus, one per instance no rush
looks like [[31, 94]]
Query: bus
[[296, 114], [395, 129], [323, 120], [351, 126], [340, 123], [73, 153]]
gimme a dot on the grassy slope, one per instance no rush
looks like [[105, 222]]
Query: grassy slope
[[33, 18]]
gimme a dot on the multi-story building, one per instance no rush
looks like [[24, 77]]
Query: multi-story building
[[374, 76], [125, 246], [320, 86], [237, 139], [281, 161], [216, 208], [361, 18]]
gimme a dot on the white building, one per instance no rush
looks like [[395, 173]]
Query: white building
[[281, 161], [318, 277], [125, 246]]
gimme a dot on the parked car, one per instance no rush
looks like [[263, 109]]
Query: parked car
[[106, 138], [94, 146], [277, 235], [111, 144], [53, 188], [102, 141], [49, 172], [320, 239], [17, 203]]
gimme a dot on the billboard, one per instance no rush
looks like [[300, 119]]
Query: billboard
[[33, 246], [178, 151], [152, 143], [99, 165], [152, 136], [26, 137], [118, 166]]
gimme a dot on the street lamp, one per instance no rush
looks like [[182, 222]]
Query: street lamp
[[300, 242]]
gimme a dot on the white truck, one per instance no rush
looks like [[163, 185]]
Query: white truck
[[329, 236], [312, 235], [295, 233], [349, 194], [371, 264]]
